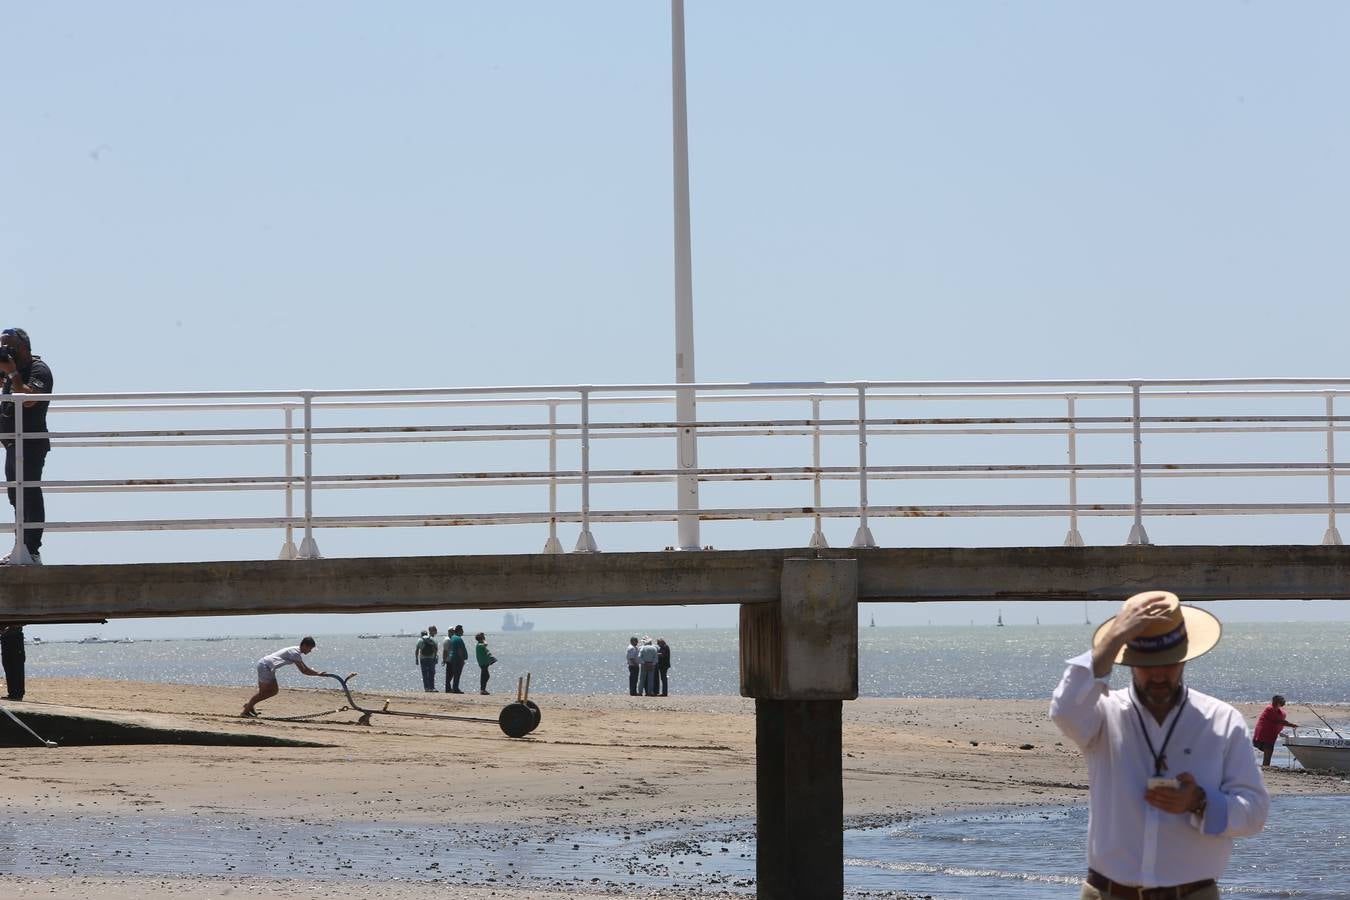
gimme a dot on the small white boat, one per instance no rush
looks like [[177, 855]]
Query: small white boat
[[368, 637], [1319, 748]]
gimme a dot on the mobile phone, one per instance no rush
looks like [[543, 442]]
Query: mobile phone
[[1163, 782]]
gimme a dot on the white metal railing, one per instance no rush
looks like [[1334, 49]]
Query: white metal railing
[[1244, 446]]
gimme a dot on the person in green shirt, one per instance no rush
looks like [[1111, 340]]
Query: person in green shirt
[[485, 659]]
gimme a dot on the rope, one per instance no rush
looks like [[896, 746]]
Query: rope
[[45, 743]]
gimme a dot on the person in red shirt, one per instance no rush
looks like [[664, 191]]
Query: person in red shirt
[[1268, 727]]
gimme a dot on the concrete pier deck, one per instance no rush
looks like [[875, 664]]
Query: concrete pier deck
[[383, 584]]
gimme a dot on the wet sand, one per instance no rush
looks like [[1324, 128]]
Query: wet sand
[[614, 763]]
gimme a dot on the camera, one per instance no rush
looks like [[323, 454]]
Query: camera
[[6, 354]]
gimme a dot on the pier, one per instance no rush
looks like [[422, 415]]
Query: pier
[[310, 469]]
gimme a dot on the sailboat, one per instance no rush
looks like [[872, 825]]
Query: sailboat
[[999, 623], [873, 623], [1086, 620]]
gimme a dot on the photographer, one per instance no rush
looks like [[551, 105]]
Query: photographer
[[25, 373]]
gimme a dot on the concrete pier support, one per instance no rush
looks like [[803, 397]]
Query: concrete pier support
[[799, 799], [799, 660]]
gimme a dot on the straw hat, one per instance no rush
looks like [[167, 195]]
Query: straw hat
[[1181, 634]]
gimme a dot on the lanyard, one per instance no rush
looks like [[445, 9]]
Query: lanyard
[[1160, 755]]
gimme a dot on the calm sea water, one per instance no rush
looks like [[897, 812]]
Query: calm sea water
[[1304, 661]]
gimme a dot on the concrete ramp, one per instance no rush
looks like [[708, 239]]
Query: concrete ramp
[[76, 726]]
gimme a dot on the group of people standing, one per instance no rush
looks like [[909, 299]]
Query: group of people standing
[[452, 654], [648, 667]]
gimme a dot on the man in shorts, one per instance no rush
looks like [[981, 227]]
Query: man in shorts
[[267, 672]]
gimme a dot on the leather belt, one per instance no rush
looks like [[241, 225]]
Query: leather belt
[[1130, 892]]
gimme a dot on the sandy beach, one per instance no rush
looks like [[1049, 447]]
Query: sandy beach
[[595, 762]]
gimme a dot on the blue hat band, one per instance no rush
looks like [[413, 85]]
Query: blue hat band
[[1160, 642]]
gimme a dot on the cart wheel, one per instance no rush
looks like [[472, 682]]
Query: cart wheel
[[534, 708], [516, 720]]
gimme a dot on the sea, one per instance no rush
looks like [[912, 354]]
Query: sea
[[1023, 853], [1304, 661]]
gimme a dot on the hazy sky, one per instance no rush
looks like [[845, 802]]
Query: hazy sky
[[333, 195]]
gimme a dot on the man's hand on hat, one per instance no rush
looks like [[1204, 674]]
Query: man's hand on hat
[[1128, 623], [1182, 799], [1132, 621]]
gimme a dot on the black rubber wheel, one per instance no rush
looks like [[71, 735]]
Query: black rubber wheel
[[534, 708], [516, 720]]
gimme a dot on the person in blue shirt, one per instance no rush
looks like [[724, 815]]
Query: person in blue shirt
[[454, 655]]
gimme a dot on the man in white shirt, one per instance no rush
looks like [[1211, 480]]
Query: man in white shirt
[[1171, 772], [633, 666], [267, 672]]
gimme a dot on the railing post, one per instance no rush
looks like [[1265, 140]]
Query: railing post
[[309, 549], [19, 556], [585, 541], [553, 545], [288, 550], [863, 538], [1137, 533], [1332, 536], [1073, 538], [817, 537]]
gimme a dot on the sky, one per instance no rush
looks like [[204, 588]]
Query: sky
[[340, 195]]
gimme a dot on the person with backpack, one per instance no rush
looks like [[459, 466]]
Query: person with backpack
[[425, 656]]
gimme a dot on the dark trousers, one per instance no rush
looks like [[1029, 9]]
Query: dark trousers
[[34, 511], [633, 680], [662, 681], [483, 678], [649, 679], [12, 656], [428, 672], [453, 669]]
